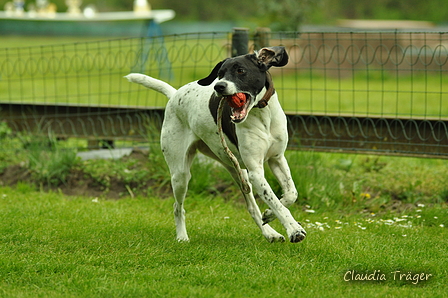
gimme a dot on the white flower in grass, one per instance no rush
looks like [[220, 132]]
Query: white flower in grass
[[388, 222]]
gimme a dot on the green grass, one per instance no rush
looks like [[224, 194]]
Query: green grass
[[91, 73], [328, 181], [362, 213], [325, 181], [54, 246], [380, 94]]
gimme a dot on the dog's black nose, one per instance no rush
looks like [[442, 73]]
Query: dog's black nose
[[220, 87]]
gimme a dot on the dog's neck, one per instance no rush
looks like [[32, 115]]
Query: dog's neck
[[263, 102]]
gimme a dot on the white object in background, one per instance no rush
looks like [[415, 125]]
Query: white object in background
[[90, 11], [9, 8], [104, 153], [141, 6], [41, 6], [18, 7], [31, 10], [73, 6]]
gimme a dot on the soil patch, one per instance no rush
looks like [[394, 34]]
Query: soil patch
[[80, 183]]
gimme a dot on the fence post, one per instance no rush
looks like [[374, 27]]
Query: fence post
[[240, 41], [261, 38]]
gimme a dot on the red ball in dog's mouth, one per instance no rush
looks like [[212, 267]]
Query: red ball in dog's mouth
[[238, 103], [237, 100]]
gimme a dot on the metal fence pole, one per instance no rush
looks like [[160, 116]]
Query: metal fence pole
[[240, 41], [261, 38]]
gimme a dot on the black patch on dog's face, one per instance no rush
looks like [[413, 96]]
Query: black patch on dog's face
[[228, 127], [245, 72], [261, 62]]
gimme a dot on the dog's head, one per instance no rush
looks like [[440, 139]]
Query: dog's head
[[242, 78]]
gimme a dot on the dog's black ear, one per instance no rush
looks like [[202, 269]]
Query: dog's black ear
[[273, 56], [212, 76]]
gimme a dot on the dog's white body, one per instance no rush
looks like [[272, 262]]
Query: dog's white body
[[262, 137]]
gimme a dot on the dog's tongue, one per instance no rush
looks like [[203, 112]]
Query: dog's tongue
[[238, 104]]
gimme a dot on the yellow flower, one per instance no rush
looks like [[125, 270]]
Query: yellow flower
[[365, 195]]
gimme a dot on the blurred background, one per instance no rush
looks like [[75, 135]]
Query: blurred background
[[279, 15], [363, 76]]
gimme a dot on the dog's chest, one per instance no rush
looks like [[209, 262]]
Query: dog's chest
[[228, 127], [197, 108]]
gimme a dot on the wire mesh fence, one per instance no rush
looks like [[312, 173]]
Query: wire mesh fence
[[376, 92], [373, 74]]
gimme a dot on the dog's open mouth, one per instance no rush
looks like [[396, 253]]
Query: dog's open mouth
[[238, 103]]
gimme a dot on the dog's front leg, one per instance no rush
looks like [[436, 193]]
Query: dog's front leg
[[294, 230], [268, 232], [280, 169], [253, 152]]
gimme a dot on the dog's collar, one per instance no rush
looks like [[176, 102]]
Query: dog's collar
[[263, 102]]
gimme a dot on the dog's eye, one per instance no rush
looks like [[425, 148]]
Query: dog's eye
[[240, 71]]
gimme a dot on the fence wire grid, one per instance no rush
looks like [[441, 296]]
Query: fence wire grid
[[373, 92]]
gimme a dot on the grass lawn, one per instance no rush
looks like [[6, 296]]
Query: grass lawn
[[57, 246], [90, 72], [52, 245]]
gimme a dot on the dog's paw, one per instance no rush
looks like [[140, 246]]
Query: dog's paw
[[297, 236], [182, 239], [268, 216], [274, 237]]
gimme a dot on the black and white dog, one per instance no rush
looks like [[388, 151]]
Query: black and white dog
[[255, 128]]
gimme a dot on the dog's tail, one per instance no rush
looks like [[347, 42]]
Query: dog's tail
[[152, 83]]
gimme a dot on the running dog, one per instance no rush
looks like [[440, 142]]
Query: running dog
[[255, 128]]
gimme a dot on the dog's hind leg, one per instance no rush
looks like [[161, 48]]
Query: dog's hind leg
[[179, 150]]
